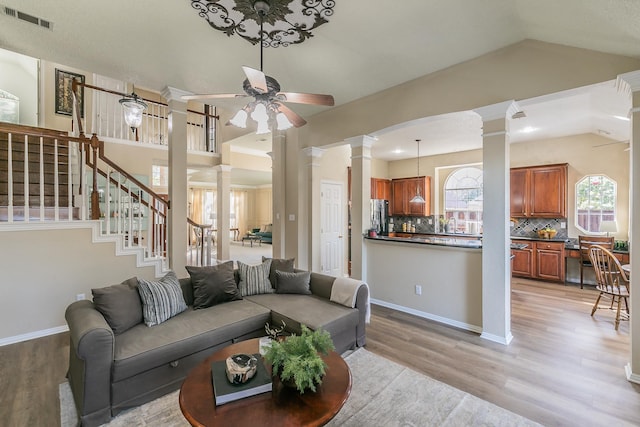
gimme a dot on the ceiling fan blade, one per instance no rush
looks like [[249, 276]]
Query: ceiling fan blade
[[256, 78], [307, 98], [213, 96], [293, 117]]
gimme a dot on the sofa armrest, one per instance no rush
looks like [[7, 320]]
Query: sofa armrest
[[91, 355], [321, 285]]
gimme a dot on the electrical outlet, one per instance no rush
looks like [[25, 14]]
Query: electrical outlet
[[80, 297], [292, 217], [418, 290], [563, 225], [430, 221], [419, 221]]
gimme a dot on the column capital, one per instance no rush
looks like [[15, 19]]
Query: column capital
[[497, 111], [628, 82], [173, 94], [361, 141], [222, 168], [314, 152]]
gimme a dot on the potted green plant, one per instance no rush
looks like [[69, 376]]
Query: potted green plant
[[297, 359]]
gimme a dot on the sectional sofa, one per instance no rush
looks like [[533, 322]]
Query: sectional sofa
[[114, 366]]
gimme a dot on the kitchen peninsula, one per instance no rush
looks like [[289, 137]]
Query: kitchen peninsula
[[438, 277]]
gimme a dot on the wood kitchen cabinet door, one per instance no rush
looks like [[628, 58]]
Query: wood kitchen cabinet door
[[397, 197], [548, 192], [550, 261], [522, 263], [404, 189], [380, 188], [539, 192], [519, 193]]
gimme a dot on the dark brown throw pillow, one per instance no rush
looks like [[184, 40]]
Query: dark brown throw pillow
[[293, 283], [119, 304], [279, 265], [213, 285]]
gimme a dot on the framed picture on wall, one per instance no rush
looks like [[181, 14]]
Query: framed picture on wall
[[64, 97]]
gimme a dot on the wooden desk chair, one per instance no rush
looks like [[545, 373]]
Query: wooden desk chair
[[584, 243], [611, 280]]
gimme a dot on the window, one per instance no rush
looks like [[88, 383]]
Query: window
[[463, 200], [595, 202], [160, 176]]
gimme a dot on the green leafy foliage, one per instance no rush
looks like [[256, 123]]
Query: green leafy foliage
[[298, 359]]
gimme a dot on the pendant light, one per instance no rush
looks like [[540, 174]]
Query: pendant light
[[418, 198], [133, 107]]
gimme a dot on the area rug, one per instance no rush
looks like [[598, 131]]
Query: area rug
[[383, 394]]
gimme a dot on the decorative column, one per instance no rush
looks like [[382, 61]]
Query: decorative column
[[278, 193], [177, 232], [311, 222], [496, 240], [223, 209], [630, 82], [360, 201]]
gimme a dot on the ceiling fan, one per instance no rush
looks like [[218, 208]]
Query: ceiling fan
[[267, 108]]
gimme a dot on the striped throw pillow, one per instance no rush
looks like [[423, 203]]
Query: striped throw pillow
[[161, 300], [254, 279]]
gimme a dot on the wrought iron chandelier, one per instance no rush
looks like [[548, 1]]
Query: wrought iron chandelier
[[288, 21]]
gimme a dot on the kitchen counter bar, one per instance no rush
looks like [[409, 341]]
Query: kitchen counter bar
[[444, 240]]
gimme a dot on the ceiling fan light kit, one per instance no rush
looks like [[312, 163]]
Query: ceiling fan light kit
[[267, 109]]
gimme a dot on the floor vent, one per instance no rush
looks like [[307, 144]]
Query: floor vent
[[26, 17]]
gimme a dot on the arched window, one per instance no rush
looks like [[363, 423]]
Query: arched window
[[463, 200], [595, 202]]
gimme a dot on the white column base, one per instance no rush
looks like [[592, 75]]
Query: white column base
[[634, 378], [496, 338]]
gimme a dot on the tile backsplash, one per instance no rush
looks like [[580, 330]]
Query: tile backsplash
[[528, 227], [525, 227]]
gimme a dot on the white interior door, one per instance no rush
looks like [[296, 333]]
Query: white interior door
[[331, 233]]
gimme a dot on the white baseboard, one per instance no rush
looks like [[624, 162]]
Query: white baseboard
[[634, 378], [33, 335], [430, 316], [497, 338]]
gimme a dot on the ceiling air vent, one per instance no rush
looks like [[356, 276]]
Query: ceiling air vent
[[26, 17]]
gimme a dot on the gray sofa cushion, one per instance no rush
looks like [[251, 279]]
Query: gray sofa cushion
[[119, 304], [293, 283], [280, 264], [309, 310], [140, 349], [162, 299], [213, 285]]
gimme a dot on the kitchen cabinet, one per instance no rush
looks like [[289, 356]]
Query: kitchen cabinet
[[539, 191], [539, 260], [404, 189], [381, 188]]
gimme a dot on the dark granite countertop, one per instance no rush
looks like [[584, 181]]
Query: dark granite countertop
[[432, 240]]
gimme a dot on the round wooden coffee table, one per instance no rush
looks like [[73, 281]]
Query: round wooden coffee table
[[282, 407]]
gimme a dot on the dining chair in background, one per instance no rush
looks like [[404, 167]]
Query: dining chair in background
[[611, 280], [584, 243]]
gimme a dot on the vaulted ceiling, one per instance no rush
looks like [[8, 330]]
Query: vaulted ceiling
[[367, 45]]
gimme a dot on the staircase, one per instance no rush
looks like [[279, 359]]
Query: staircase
[[35, 176]]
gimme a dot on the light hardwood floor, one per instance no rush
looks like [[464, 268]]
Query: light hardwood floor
[[563, 367]]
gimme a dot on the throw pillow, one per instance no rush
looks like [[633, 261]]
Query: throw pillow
[[213, 285], [293, 283], [254, 279], [119, 304], [161, 300], [279, 264]]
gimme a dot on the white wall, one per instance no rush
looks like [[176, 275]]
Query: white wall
[[44, 270], [19, 76]]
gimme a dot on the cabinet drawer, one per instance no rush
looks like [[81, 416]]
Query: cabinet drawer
[[550, 246]]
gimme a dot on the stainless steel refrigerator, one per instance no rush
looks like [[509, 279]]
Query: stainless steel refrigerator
[[380, 216]]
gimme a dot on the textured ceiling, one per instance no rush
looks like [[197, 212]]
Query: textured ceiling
[[367, 46]]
